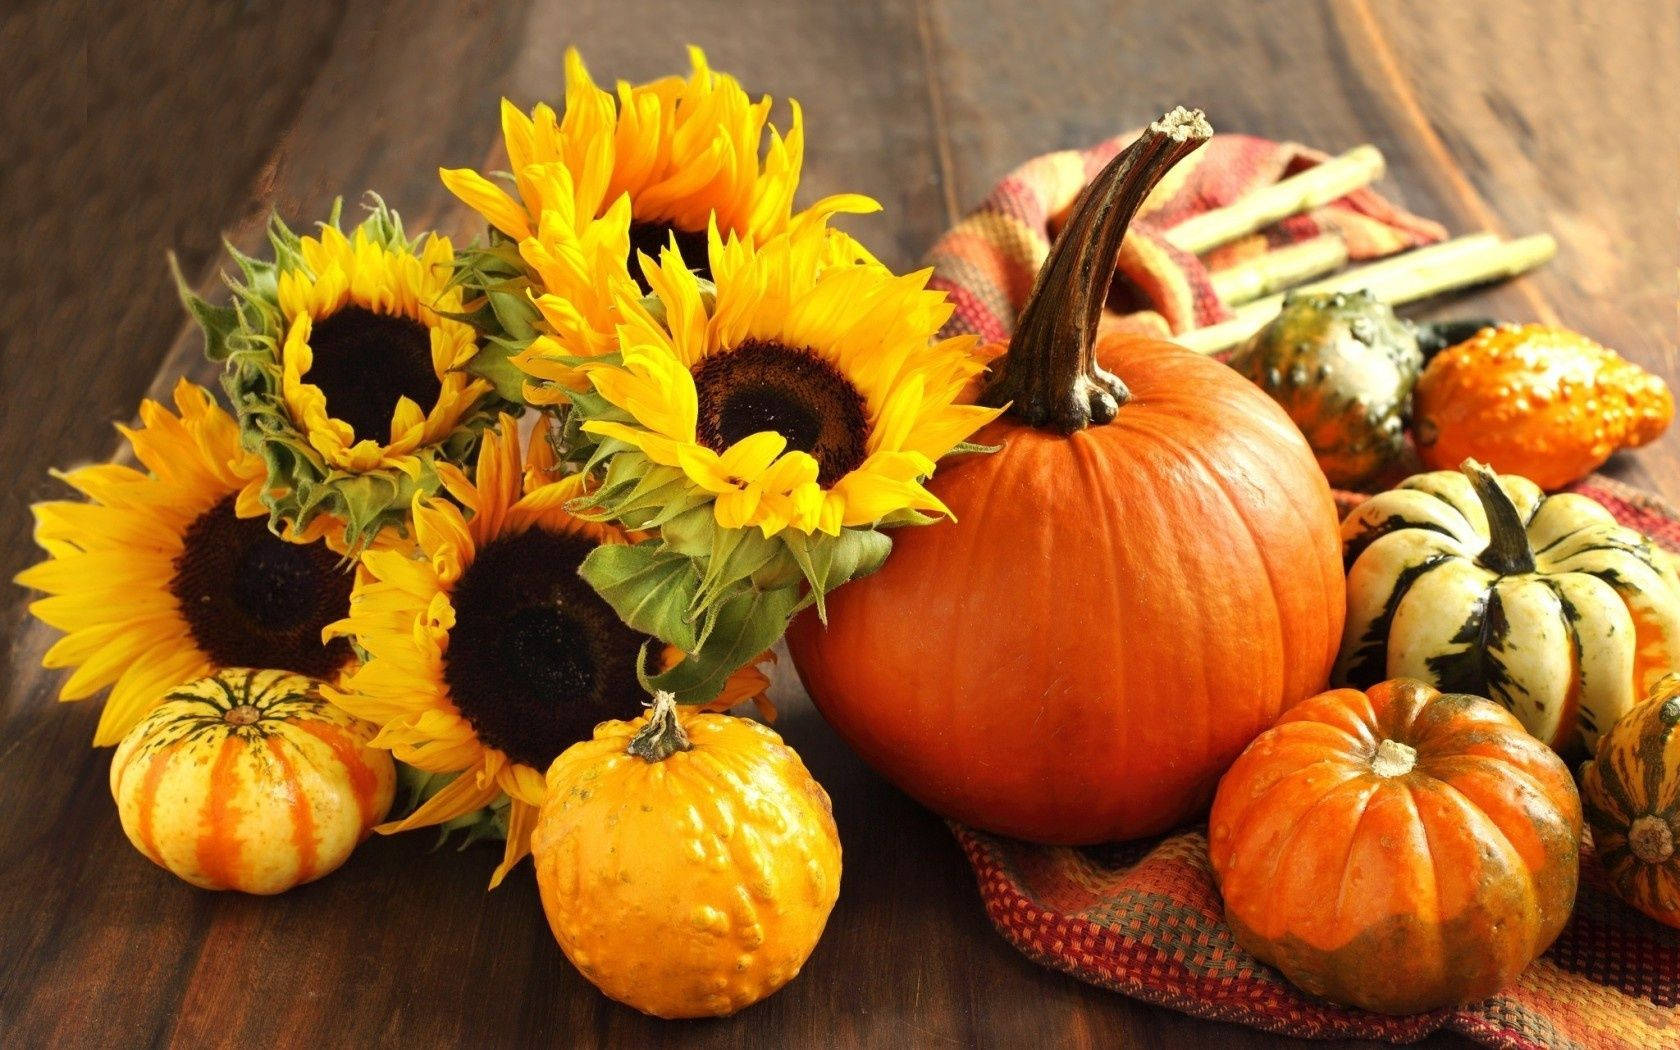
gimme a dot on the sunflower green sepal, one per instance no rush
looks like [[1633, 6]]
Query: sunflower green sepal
[[493, 277], [416, 786], [294, 415]]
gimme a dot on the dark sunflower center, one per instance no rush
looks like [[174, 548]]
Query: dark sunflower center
[[652, 237], [536, 659], [250, 599], [366, 361], [767, 386]]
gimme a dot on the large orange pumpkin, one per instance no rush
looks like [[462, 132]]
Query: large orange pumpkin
[[1399, 849], [1141, 578]]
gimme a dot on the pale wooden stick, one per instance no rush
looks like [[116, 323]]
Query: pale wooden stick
[[1280, 269], [1251, 316], [1401, 279], [1320, 184]]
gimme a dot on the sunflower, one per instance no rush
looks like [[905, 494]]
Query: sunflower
[[348, 366], [654, 167], [811, 396], [488, 655], [169, 573]]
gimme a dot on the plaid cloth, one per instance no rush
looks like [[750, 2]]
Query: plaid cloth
[[1146, 918], [986, 262]]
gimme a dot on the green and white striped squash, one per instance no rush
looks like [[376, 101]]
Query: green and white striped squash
[[1483, 584]]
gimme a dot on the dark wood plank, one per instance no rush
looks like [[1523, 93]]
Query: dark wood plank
[[140, 135], [197, 124]]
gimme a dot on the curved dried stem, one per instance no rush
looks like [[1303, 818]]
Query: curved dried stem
[[1050, 377]]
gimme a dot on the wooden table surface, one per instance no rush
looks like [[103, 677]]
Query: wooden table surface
[[167, 126]]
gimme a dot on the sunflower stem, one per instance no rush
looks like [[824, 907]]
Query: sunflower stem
[[663, 735], [1507, 552], [1050, 378]]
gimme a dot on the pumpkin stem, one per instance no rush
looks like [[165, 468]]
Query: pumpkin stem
[[1394, 759], [1050, 377], [1507, 552], [663, 736]]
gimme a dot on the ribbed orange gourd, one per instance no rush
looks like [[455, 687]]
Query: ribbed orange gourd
[[687, 862], [1543, 402], [1399, 849], [249, 780], [1141, 577]]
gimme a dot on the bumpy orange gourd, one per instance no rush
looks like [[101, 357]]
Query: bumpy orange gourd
[[687, 863], [1543, 402], [249, 780], [1137, 582], [1631, 789], [1399, 849]]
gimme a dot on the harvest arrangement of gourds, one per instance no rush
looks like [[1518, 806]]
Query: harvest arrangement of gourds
[[1076, 588]]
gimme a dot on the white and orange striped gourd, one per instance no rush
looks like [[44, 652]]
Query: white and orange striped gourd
[[250, 780]]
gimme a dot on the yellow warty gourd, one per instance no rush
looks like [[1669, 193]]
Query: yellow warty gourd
[[687, 862]]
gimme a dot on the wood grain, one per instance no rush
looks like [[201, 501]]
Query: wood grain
[[168, 128]]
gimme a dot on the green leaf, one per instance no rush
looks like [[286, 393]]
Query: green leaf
[[691, 532], [736, 554], [829, 561], [218, 322], [644, 495], [906, 516], [651, 589], [515, 314], [494, 361], [747, 623]]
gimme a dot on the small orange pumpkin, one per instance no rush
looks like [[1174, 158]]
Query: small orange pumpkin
[[249, 780], [1543, 402], [1632, 793], [687, 862], [1399, 849]]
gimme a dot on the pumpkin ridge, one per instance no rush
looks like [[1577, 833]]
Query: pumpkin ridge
[[1394, 523], [218, 842], [302, 813], [1274, 578], [145, 830], [1284, 848], [1374, 788], [1288, 779], [1578, 689], [1370, 656], [1177, 452], [1653, 747], [1477, 670], [1419, 828], [1449, 489], [1622, 785], [1511, 856]]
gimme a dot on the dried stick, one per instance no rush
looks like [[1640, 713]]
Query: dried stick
[[1279, 269], [1320, 184], [1401, 279]]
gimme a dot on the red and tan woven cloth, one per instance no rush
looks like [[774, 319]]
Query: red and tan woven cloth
[[986, 262], [1146, 918]]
